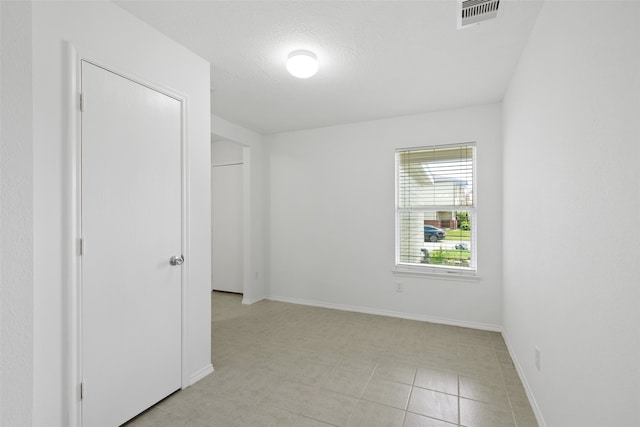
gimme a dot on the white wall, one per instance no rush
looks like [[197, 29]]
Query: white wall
[[16, 215], [225, 153], [571, 203], [104, 32], [332, 217], [254, 202]]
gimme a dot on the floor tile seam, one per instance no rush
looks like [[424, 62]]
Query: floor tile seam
[[408, 402], [386, 404], [318, 420], [369, 379], [502, 375], [513, 417], [322, 365], [491, 404], [294, 380], [484, 401], [437, 391], [504, 380], [288, 409], [468, 374], [321, 388], [300, 414], [404, 418], [509, 410], [511, 405], [459, 405], [359, 396], [440, 369], [485, 382], [353, 411], [381, 404], [442, 372], [392, 380], [413, 381], [434, 418]]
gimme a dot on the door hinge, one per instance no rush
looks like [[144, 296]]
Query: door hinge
[[83, 390], [81, 246], [81, 103]]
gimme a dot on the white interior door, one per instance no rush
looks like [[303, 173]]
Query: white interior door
[[226, 228], [131, 227]]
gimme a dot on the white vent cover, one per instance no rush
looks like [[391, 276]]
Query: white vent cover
[[475, 11]]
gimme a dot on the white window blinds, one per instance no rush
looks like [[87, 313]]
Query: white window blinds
[[435, 177], [435, 206]]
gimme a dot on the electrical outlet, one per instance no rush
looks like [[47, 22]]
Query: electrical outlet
[[537, 357], [399, 287]]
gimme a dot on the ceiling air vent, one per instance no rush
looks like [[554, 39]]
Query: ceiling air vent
[[475, 11]]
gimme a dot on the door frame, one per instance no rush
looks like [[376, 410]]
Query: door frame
[[72, 185]]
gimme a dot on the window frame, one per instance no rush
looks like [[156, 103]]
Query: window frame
[[441, 271]]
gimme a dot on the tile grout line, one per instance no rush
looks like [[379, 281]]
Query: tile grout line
[[433, 349], [413, 381], [459, 402]]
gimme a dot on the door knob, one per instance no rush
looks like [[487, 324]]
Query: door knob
[[176, 260]]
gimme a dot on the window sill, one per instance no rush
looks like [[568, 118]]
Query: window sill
[[445, 274]]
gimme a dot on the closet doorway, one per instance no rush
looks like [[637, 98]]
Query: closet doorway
[[227, 194]]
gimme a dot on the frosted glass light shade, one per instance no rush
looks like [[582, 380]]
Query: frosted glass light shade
[[302, 64]]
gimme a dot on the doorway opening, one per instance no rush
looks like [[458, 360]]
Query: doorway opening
[[228, 236]]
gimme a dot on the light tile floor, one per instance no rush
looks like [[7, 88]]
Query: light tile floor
[[279, 364]]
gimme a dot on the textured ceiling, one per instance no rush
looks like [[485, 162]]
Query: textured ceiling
[[377, 58]]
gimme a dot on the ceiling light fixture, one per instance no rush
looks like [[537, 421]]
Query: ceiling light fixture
[[302, 64]]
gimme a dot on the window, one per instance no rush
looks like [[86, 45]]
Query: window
[[435, 209]]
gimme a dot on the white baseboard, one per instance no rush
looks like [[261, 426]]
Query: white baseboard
[[419, 317], [247, 301], [201, 374], [525, 383]]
